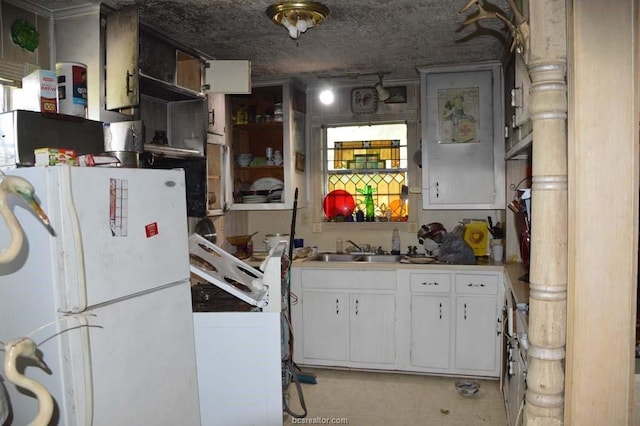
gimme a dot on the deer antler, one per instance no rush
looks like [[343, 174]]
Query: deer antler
[[519, 30]]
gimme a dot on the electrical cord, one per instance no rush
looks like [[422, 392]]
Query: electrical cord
[[288, 365]]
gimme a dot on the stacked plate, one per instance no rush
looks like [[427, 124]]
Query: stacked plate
[[255, 199]]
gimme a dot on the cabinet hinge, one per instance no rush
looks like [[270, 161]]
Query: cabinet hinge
[[206, 65]]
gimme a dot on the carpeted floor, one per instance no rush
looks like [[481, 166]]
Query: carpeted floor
[[371, 398]]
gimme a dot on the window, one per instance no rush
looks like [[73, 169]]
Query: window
[[370, 163]]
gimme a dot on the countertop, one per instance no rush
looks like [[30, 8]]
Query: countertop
[[482, 264], [519, 289], [513, 271]]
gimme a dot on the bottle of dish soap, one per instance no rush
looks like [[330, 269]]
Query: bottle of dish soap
[[395, 242]]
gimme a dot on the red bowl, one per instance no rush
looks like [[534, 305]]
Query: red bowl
[[338, 203]]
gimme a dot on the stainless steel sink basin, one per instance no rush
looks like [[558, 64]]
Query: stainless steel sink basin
[[356, 257], [332, 257], [379, 258]]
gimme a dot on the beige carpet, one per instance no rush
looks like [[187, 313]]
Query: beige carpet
[[367, 398]]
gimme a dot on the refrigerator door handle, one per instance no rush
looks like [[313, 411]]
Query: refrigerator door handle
[[76, 338], [78, 301]]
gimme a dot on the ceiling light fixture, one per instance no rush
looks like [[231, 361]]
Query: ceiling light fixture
[[383, 93], [298, 16], [326, 96]]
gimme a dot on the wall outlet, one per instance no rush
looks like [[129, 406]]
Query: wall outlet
[[412, 227], [317, 227]]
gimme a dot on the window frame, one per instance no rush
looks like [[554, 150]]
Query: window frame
[[326, 172]]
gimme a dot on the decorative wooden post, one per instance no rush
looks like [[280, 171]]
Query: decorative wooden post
[[548, 265]]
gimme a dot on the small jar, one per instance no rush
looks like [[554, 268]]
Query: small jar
[[242, 116], [278, 112], [277, 158]]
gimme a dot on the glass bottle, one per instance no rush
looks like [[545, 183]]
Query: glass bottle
[[369, 207], [242, 115], [395, 241]]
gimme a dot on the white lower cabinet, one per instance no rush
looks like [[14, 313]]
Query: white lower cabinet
[[372, 327], [344, 318], [430, 331], [431, 316], [441, 322], [478, 330], [326, 325]]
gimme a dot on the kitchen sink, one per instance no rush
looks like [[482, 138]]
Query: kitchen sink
[[333, 257], [356, 257], [379, 258]]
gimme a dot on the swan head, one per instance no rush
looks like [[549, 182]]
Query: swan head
[[26, 348], [23, 189]]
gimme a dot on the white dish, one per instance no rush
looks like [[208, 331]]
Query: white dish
[[422, 260], [267, 184], [255, 199]]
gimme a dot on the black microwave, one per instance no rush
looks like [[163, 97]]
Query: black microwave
[[195, 171]]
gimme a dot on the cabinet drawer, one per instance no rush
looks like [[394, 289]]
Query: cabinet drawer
[[347, 280], [477, 284], [430, 283]]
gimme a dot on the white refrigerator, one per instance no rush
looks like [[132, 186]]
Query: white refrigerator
[[115, 283]]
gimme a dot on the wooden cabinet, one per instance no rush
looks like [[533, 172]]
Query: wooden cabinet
[[521, 127], [271, 118], [462, 137], [141, 61], [216, 171], [345, 318]]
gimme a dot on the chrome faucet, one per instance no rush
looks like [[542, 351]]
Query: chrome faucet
[[355, 245]]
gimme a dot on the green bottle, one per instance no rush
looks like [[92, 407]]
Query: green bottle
[[369, 208]]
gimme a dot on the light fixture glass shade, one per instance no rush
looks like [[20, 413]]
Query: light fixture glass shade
[[326, 96], [298, 16]]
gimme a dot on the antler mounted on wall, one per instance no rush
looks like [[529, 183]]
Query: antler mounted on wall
[[519, 29]]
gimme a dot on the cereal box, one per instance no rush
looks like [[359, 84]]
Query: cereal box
[[53, 156], [40, 89]]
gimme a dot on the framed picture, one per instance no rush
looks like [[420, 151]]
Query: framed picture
[[300, 162], [364, 100], [459, 107], [458, 119]]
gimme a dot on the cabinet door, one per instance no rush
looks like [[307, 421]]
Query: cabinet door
[[372, 328], [216, 169], [122, 58], [325, 319], [157, 58], [476, 334], [430, 331], [463, 148]]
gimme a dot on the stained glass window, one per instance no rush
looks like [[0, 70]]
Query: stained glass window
[[375, 156]]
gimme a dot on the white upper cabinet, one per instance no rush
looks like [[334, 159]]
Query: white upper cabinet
[[462, 137]]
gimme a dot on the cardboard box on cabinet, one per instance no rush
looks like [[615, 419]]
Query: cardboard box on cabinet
[[40, 92]]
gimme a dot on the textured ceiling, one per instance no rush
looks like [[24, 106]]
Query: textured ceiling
[[360, 36]]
